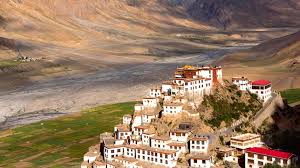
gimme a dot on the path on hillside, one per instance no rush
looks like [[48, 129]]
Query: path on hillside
[[265, 112], [294, 104], [70, 94]]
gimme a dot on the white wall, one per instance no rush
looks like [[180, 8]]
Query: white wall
[[199, 146], [200, 163]]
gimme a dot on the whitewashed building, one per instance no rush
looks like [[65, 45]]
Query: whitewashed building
[[112, 151], [127, 119], [228, 154], [199, 144], [139, 130], [258, 157], [160, 141], [180, 135], [91, 156], [242, 83], [200, 160], [155, 92], [166, 87], [146, 137], [263, 89], [151, 102], [245, 141], [138, 107], [172, 108], [122, 131], [179, 147], [161, 157]]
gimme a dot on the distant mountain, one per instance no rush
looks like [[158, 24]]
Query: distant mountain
[[245, 13], [283, 51]]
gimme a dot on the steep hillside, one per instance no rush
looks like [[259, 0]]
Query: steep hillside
[[277, 60], [284, 52], [112, 28], [282, 130], [246, 13], [67, 37]]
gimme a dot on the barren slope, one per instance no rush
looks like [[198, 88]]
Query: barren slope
[[277, 59], [246, 13]]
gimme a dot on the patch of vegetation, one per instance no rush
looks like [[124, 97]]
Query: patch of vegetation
[[61, 142], [8, 63], [229, 103], [292, 95]]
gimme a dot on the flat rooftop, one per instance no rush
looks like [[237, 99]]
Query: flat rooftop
[[245, 137]]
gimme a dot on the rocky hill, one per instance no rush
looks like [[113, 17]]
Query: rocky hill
[[245, 13]]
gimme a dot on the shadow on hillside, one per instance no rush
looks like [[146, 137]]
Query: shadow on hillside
[[2, 21], [13, 44], [284, 133]]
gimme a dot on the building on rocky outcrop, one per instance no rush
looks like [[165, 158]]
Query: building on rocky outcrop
[[258, 157], [139, 141]]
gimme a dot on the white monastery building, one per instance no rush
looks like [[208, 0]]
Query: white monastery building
[[245, 141], [243, 83], [200, 160], [262, 88], [137, 141], [258, 157]]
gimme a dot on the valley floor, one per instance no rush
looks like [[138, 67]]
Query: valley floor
[[73, 93]]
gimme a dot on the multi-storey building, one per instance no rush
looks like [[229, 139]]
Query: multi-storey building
[[127, 119], [172, 108], [199, 144], [150, 102], [159, 141], [200, 160], [91, 156], [139, 130], [158, 156], [244, 141], [228, 154], [179, 135], [146, 137], [258, 157], [155, 92], [242, 83], [112, 151], [263, 89], [122, 131]]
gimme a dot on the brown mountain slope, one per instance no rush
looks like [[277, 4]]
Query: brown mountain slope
[[277, 60], [283, 51], [246, 13], [90, 34]]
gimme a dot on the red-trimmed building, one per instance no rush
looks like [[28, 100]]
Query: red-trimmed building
[[258, 157], [262, 88]]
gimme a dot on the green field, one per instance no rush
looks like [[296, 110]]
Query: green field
[[60, 142], [8, 63], [292, 95]]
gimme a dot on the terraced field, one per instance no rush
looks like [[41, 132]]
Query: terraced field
[[60, 142]]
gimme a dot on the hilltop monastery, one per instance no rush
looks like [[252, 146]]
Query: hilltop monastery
[[134, 145]]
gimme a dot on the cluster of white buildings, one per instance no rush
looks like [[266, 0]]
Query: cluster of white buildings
[[257, 155], [134, 143], [262, 88]]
